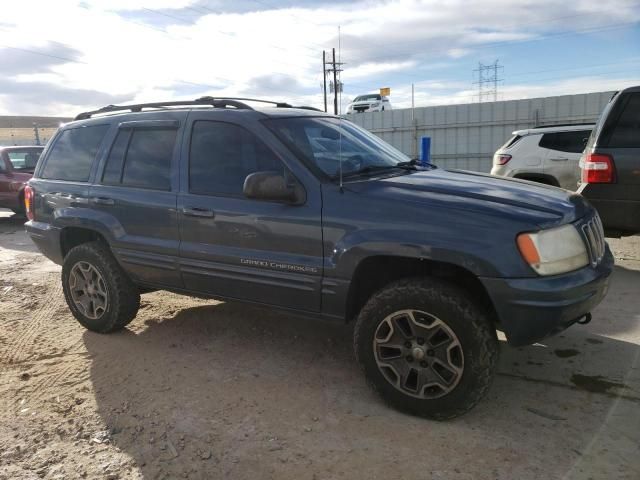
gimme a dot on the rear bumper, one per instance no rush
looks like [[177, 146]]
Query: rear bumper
[[47, 239], [617, 215], [530, 309]]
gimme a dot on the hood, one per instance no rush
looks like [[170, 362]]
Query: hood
[[507, 198]]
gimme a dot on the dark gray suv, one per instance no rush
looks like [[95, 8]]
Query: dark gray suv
[[610, 164], [306, 212]]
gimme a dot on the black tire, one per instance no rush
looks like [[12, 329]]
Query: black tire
[[476, 339], [123, 298]]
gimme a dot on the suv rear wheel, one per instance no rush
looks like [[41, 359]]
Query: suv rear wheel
[[426, 348], [99, 293]]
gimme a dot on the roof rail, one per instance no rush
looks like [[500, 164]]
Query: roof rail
[[214, 102], [222, 102]]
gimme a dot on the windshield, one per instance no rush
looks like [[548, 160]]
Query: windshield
[[362, 98], [323, 142], [24, 159]]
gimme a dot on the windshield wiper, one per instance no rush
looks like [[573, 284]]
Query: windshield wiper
[[375, 169]]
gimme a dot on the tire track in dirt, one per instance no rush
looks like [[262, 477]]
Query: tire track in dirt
[[19, 348]]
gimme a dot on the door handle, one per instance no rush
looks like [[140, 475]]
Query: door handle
[[103, 201], [559, 159], [197, 212]]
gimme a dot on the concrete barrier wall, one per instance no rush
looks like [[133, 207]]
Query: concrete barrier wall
[[466, 136]]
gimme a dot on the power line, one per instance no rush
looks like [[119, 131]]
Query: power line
[[42, 54], [506, 42]]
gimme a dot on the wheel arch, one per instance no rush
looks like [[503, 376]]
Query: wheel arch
[[543, 178], [71, 237], [375, 272]]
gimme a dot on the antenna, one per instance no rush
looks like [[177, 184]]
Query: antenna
[[340, 112]]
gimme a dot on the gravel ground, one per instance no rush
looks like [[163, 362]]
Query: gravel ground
[[204, 389]]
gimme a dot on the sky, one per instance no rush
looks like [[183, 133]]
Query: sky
[[64, 57]]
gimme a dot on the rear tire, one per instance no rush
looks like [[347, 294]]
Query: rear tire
[[98, 292], [426, 348]]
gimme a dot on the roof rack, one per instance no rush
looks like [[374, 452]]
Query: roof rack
[[565, 125], [222, 102]]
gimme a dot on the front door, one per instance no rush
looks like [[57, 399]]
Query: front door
[[235, 247]]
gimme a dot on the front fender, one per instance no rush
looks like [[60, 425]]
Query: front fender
[[467, 253]]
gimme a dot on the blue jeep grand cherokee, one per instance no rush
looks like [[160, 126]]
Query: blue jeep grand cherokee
[[306, 212]]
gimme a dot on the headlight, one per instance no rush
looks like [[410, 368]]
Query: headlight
[[554, 251]]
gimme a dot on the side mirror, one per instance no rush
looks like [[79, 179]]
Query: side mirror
[[272, 186]]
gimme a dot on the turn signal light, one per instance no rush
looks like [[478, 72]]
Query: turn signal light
[[28, 202]]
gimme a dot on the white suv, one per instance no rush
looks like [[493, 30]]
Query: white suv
[[373, 102], [546, 155]]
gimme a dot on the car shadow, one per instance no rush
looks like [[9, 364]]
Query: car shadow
[[12, 234], [228, 390]]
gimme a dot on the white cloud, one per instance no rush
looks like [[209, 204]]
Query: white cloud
[[132, 58]]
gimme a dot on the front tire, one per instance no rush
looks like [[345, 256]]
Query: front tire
[[97, 290], [426, 348]]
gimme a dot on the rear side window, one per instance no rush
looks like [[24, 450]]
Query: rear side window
[[512, 141], [113, 170], [572, 142], [141, 158], [222, 155], [73, 153], [624, 130]]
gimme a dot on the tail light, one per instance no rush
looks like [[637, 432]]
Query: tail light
[[501, 159], [598, 168], [28, 202]]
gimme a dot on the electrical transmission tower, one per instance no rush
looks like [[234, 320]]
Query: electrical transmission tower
[[488, 80]]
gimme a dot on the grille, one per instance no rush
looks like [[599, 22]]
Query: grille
[[594, 237]]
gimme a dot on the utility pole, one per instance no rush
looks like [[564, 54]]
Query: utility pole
[[36, 133], [324, 78], [488, 81], [331, 67]]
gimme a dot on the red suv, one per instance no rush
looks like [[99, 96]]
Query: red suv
[[16, 168]]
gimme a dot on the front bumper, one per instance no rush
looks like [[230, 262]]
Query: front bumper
[[530, 309]]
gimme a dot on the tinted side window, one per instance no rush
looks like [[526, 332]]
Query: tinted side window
[[222, 155], [625, 131], [73, 153], [147, 163], [573, 142], [113, 170]]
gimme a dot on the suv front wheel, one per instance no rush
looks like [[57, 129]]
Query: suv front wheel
[[99, 293], [426, 348]]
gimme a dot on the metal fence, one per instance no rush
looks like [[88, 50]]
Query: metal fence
[[28, 130], [466, 136]]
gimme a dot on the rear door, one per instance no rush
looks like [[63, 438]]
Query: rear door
[[136, 191], [562, 156], [236, 247]]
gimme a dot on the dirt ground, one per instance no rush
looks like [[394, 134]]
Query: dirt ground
[[204, 390]]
